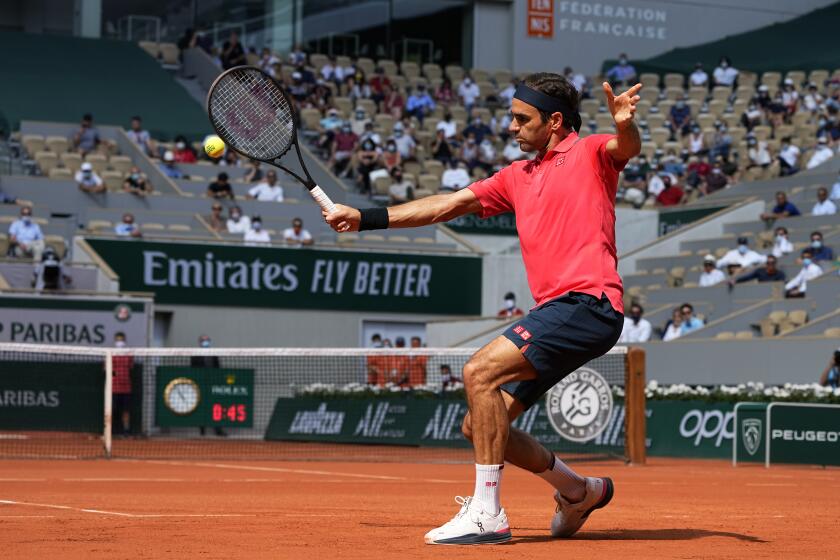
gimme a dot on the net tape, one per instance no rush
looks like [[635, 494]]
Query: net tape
[[251, 114]]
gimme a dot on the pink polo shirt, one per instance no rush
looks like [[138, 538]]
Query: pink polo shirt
[[565, 216]]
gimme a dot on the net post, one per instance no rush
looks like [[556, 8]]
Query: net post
[[635, 406], [108, 417]]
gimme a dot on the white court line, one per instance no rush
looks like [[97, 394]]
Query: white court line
[[23, 479], [127, 480], [25, 516], [771, 484], [123, 514], [295, 471]]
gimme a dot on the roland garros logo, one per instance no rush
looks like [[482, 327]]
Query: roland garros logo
[[579, 407]]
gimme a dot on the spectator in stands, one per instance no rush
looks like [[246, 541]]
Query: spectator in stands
[[798, 286], [297, 236], [697, 171], [636, 329], [448, 126], [510, 309], [823, 206], [782, 209], [170, 168], [478, 129], [359, 121], [698, 78], [721, 141], [297, 56], [715, 181], [370, 133], [742, 256], [394, 102], [257, 235], [671, 194], [697, 141], [183, 152], [656, 183], [623, 73], [469, 152], [454, 177], [25, 236], [821, 251], [88, 181], [444, 94], [405, 142], [358, 89], [506, 95], [216, 220], [822, 153], [447, 378], [725, 74], [128, 228], [341, 151], [710, 275], [237, 222], [679, 118], [391, 157], [577, 79], [232, 52], [789, 157], [254, 173], [673, 328], [268, 190], [330, 124], [835, 192], [776, 111], [442, 150], [781, 244], [690, 322], [831, 374], [751, 117], [204, 361], [812, 101], [400, 189], [635, 177], [469, 93], [790, 97], [121, 366], [230, 159], [378, 83], [767, 273], [221, 187], [419, 103], [758, 153], [48, 274], [673, 164], [513, 152], [831, 127], [268, 61], [487, 156], [417, 365], [137, 183], [139, 136], [368, 159], [87, 137], [332, 72]]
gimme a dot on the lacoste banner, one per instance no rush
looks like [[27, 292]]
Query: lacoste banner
[[204, 274]]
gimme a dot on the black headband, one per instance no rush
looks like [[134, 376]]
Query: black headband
[[547, 103]]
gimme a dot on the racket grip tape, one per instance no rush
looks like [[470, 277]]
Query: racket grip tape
[[322, 199]]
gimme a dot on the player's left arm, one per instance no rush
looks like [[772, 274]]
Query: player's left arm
[[627, 142]]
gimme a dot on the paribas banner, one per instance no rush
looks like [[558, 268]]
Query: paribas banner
[[240, 276]]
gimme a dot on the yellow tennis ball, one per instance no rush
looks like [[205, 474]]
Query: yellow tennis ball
[[214, 147]]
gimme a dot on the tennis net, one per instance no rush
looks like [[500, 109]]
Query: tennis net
[[295, 404]]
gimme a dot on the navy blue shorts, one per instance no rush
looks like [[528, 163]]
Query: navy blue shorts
[[560, 336]]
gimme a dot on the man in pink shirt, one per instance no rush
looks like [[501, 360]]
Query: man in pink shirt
[[564, 201]]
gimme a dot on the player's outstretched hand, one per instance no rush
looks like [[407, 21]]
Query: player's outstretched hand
[[622, 107], [344, 219]]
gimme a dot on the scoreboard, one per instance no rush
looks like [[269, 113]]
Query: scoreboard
[[201, 396]]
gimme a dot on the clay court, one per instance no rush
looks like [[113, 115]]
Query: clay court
[[261, 509]]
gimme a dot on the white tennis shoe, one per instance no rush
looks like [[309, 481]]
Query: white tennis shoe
[[471, 525], [568, 517]]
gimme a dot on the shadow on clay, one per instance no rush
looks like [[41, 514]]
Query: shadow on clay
[[641, 535]]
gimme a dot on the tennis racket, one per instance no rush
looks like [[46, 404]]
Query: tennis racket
[[255, 117]]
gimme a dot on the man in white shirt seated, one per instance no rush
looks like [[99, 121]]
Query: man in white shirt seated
[[725, 74], [400, 189], [822, 153], [88, 180], [710, 275], [237, 223], [448, 126], [781, 244], [468, 92], [742, 256], [824, 206], [797, 287], [698, 78], [635, 329], [267, 190], [296, 236], [455, 178], [256, 235]]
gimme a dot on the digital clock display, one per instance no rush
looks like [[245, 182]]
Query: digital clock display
[[236, 414], [204, 396]]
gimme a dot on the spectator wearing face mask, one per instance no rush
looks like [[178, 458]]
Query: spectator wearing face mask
[[136, 183], [391, 157], [758, 153], [513, 152], [469, 93], [237, 222], [510, 309], [442, 150], [679, 118], [88, 181], [183, 152], [447, 126], [789, 157], [751, 117], [170, 167], [790, 97], [711, 275], [822, 153], [394, 102], [812, 101], [697, 141], [830, 126], [823, 206], [370, 134], [121, 366], [455, 177], [698, 78], [782, 209], [623, 73], [257, 235], [770, 272], [469, 152], [400, 190], [725, 74], [268, 190], [128, 228], [297, 236], [781, 244], [721, 142], [715, 181], [798, 286], [206, 362], [419, 103], [25, 236], [742, 256], [368, 160], [831, 374], [478, 129], [636, 329], [690, 322], [671, 194], [341, 151], [821, 252], [405, 142]]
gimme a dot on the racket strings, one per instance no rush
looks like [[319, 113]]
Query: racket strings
[[252, 115]]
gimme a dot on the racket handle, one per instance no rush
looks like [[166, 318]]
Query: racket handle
[[322, 199]]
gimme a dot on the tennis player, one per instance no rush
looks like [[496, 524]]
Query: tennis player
[[564, 201]]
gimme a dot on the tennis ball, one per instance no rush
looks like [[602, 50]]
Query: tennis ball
[[214, 146]]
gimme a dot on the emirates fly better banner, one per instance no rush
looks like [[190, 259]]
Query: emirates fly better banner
[[234, 275]]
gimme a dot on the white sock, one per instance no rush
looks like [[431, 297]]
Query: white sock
[[488, 480], [570, 484]]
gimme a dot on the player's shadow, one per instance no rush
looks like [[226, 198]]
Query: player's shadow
[[643, 535]]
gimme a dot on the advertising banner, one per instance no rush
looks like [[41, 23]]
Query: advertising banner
[[671, 220], [503, 224], [240, 276], [803, 433]]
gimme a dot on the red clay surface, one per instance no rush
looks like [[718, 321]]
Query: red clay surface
[[313, 510]]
